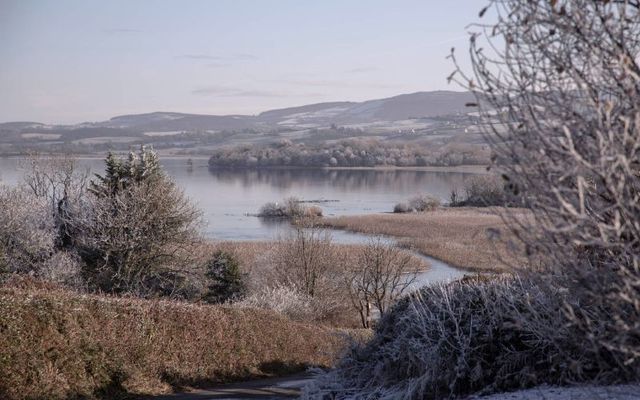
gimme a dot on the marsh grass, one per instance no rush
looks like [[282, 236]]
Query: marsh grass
[[462, 237]]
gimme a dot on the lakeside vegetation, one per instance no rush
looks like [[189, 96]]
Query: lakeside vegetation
[[464, 237]]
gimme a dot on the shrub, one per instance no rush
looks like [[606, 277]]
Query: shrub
[[272, 210], [27, 230], [417, 203], [58, 345], [285, 300], [401, 208], [226, 282], [291, 208], [424, 203], [484, 191], [475, 336]]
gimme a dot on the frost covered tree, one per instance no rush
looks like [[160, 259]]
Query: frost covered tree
[[558, 92], [138, 228]]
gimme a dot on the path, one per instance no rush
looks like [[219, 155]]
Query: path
[[287, 387]]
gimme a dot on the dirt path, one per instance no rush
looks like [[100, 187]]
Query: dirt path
[[274, 388]]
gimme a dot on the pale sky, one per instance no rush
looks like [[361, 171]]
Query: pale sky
[[69, 61]]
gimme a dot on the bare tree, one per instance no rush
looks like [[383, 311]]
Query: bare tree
[[61, 183], [305, 258], [558, 90], [383, 273], [27, 233]]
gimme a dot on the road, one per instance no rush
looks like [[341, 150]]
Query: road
[[273, 388]]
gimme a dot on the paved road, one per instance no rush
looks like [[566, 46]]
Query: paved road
[[274, 388]]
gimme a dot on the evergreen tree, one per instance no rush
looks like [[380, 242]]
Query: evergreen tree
[[121, 174], [139, 229], [225, 278]]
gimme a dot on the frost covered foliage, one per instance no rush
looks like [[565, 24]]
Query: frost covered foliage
[[475, 336], [291, 207], [136, 234], [27, 234], [345, 153], [482, 191], [285, 300], [565, 77], [417, 203]]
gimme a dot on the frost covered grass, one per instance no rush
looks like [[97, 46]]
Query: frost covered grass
[[57, 344], [459, 236], [476, 336]]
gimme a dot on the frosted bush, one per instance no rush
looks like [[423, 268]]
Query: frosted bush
[[27, 233], [476, 336], [423, 203], [417, 203], [285, 300]]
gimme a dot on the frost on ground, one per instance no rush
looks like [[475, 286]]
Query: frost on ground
[[620, 392]]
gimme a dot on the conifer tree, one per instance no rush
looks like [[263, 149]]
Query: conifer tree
[[226, 283]]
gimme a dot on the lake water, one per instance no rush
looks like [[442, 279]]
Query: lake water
[[229, 197]]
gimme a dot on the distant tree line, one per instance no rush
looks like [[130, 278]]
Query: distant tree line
[[345, 153]]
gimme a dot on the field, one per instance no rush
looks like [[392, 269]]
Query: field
[[58, 344], [461, 237]]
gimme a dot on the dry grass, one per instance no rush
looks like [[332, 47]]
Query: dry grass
[[331, 305], [58, 344], [253, 255], [460, 236]]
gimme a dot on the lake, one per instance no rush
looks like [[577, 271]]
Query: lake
[[228, 197]]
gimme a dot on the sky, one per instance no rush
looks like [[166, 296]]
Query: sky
[[71, 61]]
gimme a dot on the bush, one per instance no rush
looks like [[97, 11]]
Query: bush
[[291, 208], [424, 203], [272, 210], [482, 191], [27, 231], [285, 300], [417, 203], [476, 336], [60, 345], [401, 208]]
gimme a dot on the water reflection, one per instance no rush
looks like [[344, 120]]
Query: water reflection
[[436, 183], [229, 197]]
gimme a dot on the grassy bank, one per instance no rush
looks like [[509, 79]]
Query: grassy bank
[[458, 236], [58, 344]]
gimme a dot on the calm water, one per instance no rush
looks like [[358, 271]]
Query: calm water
[[228, 196]]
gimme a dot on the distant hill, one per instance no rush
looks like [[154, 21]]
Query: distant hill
[[406, 106]]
